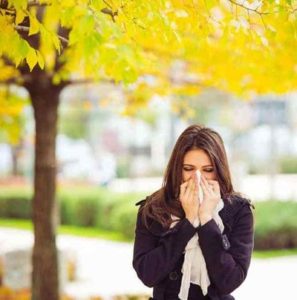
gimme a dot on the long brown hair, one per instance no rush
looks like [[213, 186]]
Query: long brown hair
[[164, 202]]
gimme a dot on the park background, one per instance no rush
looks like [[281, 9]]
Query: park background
[[93, 97]]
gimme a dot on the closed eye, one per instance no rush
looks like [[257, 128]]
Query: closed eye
[[188, 169]]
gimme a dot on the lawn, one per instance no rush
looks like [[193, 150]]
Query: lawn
[[115, 236], [66, 229]]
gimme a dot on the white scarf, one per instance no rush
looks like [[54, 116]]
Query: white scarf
[[194, 267]]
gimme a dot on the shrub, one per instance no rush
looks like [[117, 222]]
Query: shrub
[[275, 221], [77, 208], [123, 219], [275, 226], [288, 164], [15, 203]]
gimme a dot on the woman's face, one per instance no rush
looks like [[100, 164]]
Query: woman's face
[[197, 159]]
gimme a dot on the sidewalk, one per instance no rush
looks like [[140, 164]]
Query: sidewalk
[[105, 269]]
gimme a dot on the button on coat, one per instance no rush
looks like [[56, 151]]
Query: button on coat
[[158, 252]]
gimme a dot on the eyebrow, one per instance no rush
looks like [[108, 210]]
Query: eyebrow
[[194, 166]]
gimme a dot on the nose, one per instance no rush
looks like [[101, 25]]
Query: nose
[[194, 172]]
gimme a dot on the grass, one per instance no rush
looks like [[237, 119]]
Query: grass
[[114, 236], [66, 229], [274, 253]]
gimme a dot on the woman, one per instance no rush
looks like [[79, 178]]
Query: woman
[[194, 240]]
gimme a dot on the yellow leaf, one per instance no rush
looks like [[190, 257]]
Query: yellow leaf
[[20, 15], [56, 41], [32, 58], [40, 59], [34, 25], [18, 60]]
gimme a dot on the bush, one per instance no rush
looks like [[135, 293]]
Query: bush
[[91, 206], [275, 221], [275, 226], [123, 219], [15, 203], [288, 164], [79, 207]]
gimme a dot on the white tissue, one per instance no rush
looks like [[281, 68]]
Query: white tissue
[[200, 194]]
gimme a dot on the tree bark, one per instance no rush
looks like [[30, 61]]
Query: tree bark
[[45, 101]]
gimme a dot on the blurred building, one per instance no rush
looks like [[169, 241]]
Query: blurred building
[[96, 143]]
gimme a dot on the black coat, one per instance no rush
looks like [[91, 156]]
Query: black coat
[[158, 253]]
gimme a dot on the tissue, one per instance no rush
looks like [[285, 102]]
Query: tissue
[[200, 193]]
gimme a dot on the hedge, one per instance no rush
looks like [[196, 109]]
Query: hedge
[[276, 225], [91, 207], [275, 221]]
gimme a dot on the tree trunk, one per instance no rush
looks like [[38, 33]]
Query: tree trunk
[[45, 101]]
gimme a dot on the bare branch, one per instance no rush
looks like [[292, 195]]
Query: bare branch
[[12, 10], [6, 11], [255, 10], [33, 2], [136, 23], [17, 80], [107, 4], [108, 11], [87, 81]]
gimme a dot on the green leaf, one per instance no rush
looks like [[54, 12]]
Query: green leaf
[[21, 51], [129, 75], [23, 48], [87, 24]]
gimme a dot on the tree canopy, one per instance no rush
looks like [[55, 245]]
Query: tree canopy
[[11, 115], [244, 47]]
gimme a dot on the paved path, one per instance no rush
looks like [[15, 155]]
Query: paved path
[[104, 268]]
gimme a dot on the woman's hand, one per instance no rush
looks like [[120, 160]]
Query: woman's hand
[[211, 198], [189, 198]]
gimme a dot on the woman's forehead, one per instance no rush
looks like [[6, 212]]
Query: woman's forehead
[[197, 157]]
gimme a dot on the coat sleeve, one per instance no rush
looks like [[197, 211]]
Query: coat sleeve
[[227, 266], [154, 257]]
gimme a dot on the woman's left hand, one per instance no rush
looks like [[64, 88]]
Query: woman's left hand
[[211, 198]]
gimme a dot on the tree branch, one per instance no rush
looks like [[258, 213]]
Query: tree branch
[[108, 11], [6, 11], [87, 81], [107, 4], [26, 29], [255, 10], [17, 80], [34, 3]]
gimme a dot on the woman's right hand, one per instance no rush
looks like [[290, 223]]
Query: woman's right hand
[[189, 198]]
